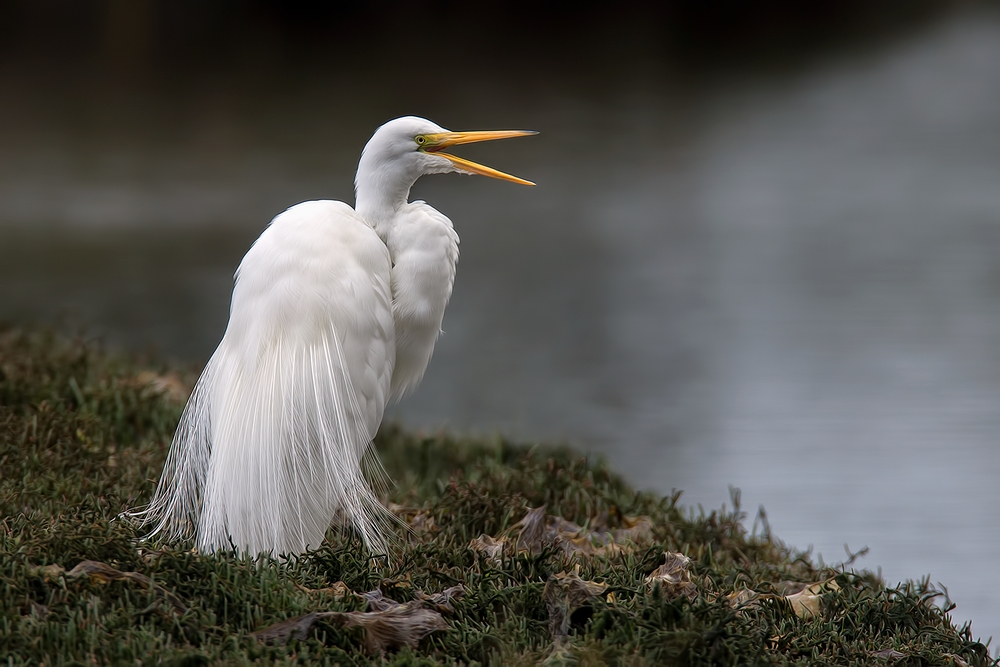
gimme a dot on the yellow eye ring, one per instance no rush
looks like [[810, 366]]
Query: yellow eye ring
[[420, 139]]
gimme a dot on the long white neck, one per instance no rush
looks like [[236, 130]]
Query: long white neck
[[381, 190]]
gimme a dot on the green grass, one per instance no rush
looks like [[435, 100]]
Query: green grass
[[83, 435]]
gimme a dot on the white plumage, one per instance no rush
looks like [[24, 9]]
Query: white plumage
[[334, 312]]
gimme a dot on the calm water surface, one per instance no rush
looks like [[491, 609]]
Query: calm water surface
[[785, 283]]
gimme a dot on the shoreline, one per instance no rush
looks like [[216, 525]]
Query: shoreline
[[603, 575]]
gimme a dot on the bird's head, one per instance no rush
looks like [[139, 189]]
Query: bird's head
[[407, 148]]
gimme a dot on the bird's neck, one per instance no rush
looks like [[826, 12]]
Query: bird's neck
[[380, 193]]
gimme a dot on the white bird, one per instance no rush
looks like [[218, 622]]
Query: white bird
[[335, 311]]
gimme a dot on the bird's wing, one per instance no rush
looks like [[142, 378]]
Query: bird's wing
[[424, 249], [271, 443]]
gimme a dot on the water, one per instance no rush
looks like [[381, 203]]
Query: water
[[784, 282]]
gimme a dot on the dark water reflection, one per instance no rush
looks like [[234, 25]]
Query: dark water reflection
[[785, 283]]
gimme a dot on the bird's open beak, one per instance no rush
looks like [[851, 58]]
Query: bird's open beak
[[435, 143]]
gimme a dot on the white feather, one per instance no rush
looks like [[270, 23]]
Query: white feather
[[333, 312], [270, 446], [424, 249]]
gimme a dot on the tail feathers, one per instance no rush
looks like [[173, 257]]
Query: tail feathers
[[176, 504], [268, 454]]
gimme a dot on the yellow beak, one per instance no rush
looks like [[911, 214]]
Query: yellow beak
[[434, 143]]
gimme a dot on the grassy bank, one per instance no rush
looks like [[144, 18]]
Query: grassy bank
[[601, 575]]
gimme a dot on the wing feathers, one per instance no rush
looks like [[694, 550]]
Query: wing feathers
[[273, 442], [287, 457], [177, 501]]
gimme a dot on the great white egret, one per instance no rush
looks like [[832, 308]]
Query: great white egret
[[335, 311]]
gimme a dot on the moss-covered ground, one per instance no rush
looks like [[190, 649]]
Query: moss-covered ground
[[83, 435]]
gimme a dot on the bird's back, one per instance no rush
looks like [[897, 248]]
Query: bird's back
[[319, 269], [269, 449]]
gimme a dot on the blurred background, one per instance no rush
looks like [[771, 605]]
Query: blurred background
[[762, 251]]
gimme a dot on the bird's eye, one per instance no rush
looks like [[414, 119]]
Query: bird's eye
[[420, 139]]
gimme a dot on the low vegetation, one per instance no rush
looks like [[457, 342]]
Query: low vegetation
[[515, 555]]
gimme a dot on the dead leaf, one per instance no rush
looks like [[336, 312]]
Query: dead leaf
[[674, 577], [621, 528], [742, 599], [47, 572], [394, 628], [786, 587], [391, 628], [423, 522], [169, 385], [442, 601], [297, 627], [489, 546], [888, 654], [338, 590], [388, 624], [419, 520], [806, 603], [102, 572], [538, 530], [377, 601], [564, 594]]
